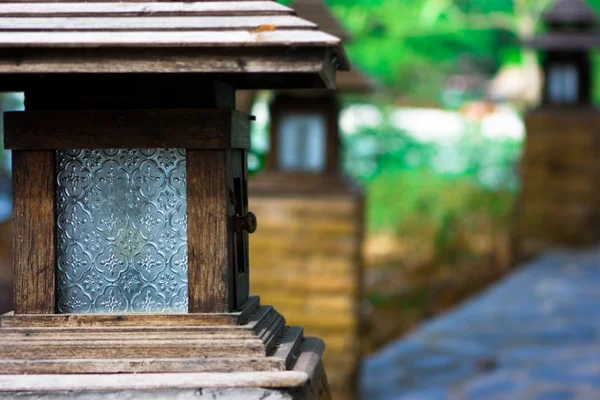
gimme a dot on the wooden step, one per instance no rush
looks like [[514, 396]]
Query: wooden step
[[141, 365], [262, 343]]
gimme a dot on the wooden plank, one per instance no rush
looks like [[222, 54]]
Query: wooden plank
[[207, 129], [132, 323], [94, 349], [131, 319], [33, 232], [213, 38], [209, 264], [134, 24], [91, 382], [154, 9], [169, 61], [68, 335], [142, 365]]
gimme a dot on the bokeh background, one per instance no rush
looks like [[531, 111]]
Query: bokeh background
[[437, 146]]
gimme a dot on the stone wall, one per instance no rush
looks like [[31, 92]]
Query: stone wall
[[305, 260], [559, 204]]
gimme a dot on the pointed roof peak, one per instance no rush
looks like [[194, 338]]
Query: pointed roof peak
[[316, 11], [571, 11]]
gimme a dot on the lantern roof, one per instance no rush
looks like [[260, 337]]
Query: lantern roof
[[355, 81], [318, 12], [571, 26], [260, 40], [571, 12]]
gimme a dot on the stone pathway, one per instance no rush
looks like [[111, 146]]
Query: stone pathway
[[533, 336]]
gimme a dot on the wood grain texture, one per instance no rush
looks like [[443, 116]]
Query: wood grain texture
[[147, 347], [49, 383], [165, 23], [209, 223], [208, 26], [142, 365], [154, 8], [192, 129], [170, 60], [96, 320], [136, 38], [33, 232], [124, 348], [132, 319]]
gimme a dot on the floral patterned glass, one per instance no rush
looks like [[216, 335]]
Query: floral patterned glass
[[121, 230]]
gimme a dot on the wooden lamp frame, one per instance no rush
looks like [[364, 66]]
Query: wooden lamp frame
[[216, 140]]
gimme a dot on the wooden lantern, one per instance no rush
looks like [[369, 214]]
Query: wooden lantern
[[566, 47], [558, 205], [131, 215], [312, 217]]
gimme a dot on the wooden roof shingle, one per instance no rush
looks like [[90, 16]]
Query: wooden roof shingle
[[221, 37]]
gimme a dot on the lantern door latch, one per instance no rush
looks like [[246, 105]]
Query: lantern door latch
[[246, 223]]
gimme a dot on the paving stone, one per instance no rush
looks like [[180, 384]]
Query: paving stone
[[533, 336], [491, 388], [423, 394], [557, 395]]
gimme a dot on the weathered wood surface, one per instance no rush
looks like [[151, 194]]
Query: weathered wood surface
[[191, 129], [110, 349], [142, 365], [210, 281], [83, 24], [33, 232], [169, 60], [120, 347], [129, 319], [37, 383], [138, 38], [33, 39], [135, 9]]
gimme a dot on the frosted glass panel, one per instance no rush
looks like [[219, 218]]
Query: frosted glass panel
[[571, 83], [302, 142], [121, 230], [563, 83]]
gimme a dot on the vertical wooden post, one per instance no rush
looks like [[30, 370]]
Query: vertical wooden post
[[209, 223], [33, 232]]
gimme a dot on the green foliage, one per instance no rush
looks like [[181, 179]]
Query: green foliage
[[412, 46]]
